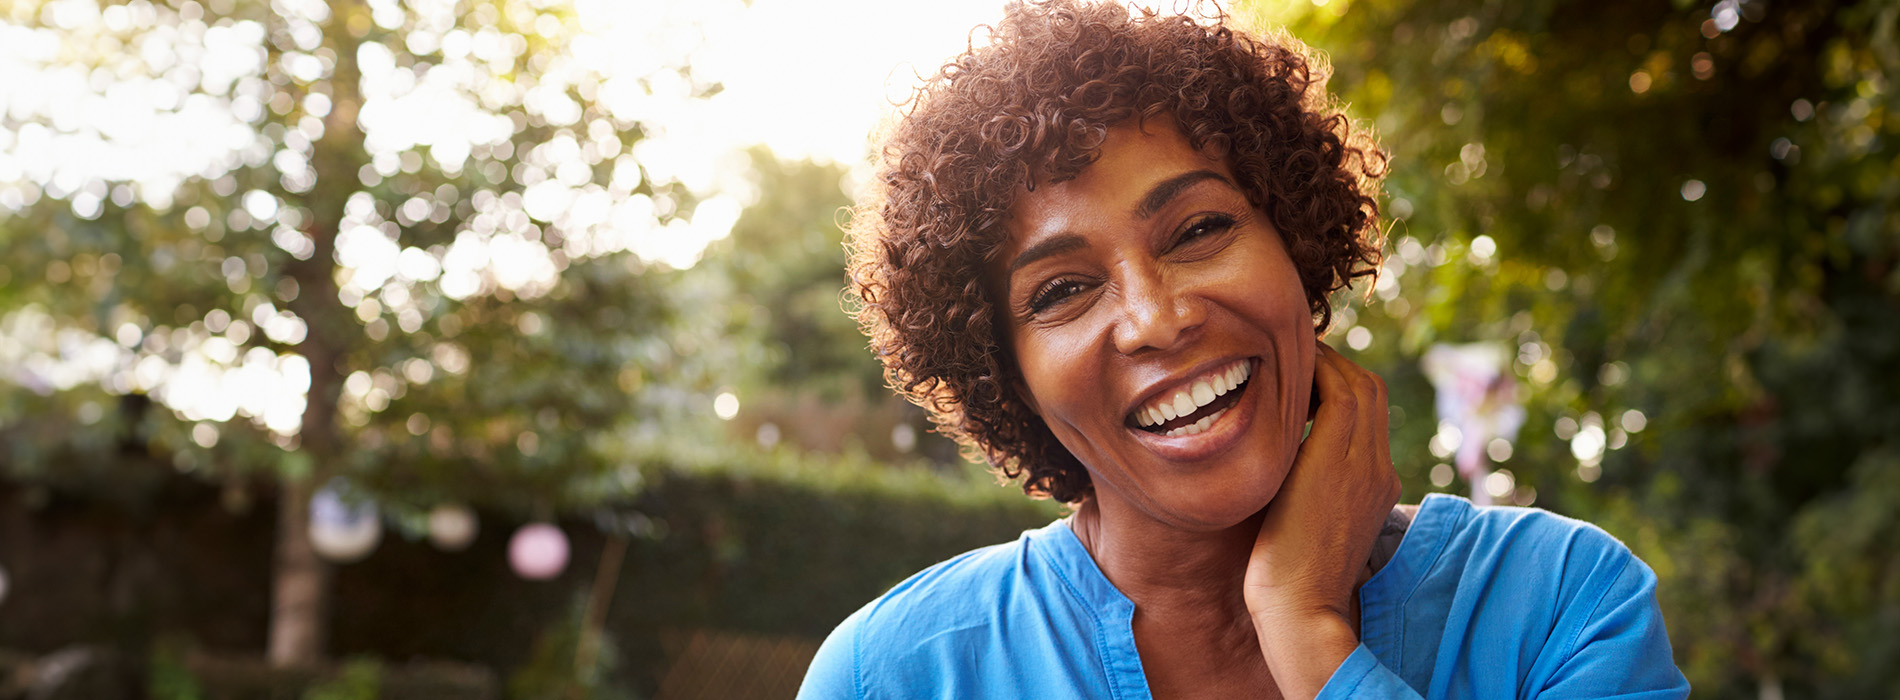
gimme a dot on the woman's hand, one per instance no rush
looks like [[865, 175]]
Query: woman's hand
[[1313, 547]]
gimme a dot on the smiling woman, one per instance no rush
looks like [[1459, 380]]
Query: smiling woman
[[1100, 252], [1113, 312]]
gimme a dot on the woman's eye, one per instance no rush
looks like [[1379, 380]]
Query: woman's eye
[[1205, 226], [1054, 292]]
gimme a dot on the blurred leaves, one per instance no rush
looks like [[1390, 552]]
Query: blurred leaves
[[1685, 210], [427, 225], [786, 263]]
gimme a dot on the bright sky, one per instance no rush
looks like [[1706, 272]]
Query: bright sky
[[811, 78]]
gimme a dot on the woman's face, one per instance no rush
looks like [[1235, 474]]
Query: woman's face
[[1148, 289]]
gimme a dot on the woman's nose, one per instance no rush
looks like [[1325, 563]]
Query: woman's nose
[[1155, 314]]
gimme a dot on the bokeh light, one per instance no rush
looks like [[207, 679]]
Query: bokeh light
[[340, 530], [726, 405], [452, 526], [538, 551]]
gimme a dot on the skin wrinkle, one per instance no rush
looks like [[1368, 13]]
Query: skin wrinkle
[[933, 219]]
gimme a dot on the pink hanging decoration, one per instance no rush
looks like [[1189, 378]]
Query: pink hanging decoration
[[538, 551]]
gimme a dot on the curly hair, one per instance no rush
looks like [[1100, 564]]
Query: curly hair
[[1034, 104]]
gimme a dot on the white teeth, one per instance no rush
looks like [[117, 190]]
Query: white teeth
[[1187, 400], [1183, 404], [1197, 427], [1203, 394]]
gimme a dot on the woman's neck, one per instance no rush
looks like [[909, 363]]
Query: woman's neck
[[1169, 572], [1191, 624], [1175, 574]]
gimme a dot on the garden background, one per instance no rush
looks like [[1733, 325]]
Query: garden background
[[382, 265]]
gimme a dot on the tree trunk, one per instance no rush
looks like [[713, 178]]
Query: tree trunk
[[301, 580], [300, 583], [594, 622]]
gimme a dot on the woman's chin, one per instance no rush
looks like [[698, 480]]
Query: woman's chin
[[1222, 476], [1217, 506]]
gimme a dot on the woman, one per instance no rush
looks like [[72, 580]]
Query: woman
[[1100, 252]]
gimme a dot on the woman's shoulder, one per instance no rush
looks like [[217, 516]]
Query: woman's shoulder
[[954, 585], [960, 591], [1504, 597], [1514, 533], [951, 620], [1526, 563]]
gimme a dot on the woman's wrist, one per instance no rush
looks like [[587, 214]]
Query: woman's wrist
[[1303, 648]]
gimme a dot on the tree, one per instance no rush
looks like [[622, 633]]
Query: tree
[[809, 379], [1680, 217], [786, 256], [407, 244]]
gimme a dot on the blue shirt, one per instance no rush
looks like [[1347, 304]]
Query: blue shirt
[[1478, 602]]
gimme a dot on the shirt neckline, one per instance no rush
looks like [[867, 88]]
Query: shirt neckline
[[1416, 551], [1379, 598]]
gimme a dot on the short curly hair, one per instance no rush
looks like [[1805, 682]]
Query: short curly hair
[[1035, 103]]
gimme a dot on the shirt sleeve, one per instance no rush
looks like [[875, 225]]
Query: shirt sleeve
[[1618, 649], [833, 674], [1362, 676], [1622, 649]]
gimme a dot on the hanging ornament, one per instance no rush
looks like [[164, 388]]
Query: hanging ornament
[[343, 532], [452, 526], [1477, 399], [538, 551]]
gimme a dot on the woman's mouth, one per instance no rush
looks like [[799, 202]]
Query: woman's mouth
[[1194, 406]]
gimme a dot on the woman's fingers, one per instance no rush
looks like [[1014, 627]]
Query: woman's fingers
[[1337, 415], [1368, 392]]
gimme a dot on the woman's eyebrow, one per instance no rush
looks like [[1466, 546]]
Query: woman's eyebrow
[[1166, 190], [1156, 198], [1053, 245]]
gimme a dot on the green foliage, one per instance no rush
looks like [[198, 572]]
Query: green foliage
[[785, 260], [1683, 210], [784, 520], [169, 678], [325, 246], [806, 374], [359, 679], [790, 544], [550, 673], [407, 243]]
